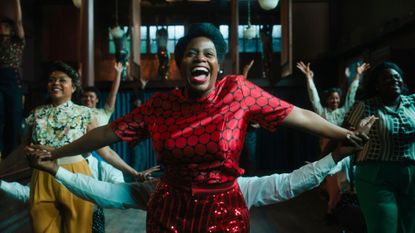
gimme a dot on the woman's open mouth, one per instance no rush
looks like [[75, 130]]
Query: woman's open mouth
[[199, 75]]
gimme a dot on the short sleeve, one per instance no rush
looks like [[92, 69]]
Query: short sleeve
[[132, 128], [264, 108], [30, 120], [108, 111]]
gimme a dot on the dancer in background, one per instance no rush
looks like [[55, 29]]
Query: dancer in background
[[12, 43], [385, 181], [90, 98], [341, 196], [333, 112]]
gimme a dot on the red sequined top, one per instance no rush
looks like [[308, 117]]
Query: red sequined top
[[199, 141]]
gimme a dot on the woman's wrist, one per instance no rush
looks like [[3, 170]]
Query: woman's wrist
[[54, 169], [53, 155]]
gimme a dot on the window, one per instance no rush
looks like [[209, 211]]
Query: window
[[175, 32], [224, 29], [255, 44], [143, 39], [148, 33], [276, 38]]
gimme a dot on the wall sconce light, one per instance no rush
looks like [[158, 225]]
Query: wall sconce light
[[121, 52], [162, 37], [268, 4], [77, 3], [116, 31], [249, 31]]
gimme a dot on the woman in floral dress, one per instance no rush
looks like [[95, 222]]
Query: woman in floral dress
[[52, 207]]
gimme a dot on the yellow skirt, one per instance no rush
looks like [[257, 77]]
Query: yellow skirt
[[53, 209]]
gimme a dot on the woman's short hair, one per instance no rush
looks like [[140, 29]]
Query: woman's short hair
[[92, 89], [68, 70], [328, 92], [201, 30], [369, 87]]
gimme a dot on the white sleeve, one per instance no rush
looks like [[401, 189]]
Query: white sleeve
[[104, 194], [314, 98], [266, 190], [341, 166], [110, 173], [15, 190], [351, 94]]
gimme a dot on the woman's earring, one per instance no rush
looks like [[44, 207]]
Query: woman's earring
[[220, 73]]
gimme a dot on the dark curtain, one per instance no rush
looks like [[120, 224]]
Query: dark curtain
[[142, 155], [286, 149]]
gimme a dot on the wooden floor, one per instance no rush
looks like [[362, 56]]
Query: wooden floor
[[304, 214]]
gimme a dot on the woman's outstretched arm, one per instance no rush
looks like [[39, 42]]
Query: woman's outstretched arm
[[313, 123], [95, 139]]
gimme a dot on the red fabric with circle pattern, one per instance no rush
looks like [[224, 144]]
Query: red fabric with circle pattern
[[199, 141]]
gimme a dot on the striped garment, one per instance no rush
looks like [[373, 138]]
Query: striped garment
[[174, 209], [392, 137]]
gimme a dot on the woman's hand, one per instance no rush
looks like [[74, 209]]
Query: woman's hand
[[366, 124], [42, 162], [360, 135], [354, 141], [246, 69], [118, 67], [146, 174], [39, 150], [362, 68], [305, 69]]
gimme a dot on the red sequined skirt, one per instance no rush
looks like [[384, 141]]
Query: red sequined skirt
[[199, 210]]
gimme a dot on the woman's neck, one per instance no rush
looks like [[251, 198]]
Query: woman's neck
[[192, 95], [59, 102], [390, 101]]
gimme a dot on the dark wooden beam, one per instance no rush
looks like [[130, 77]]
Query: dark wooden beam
[[234, 48], [87, 42]]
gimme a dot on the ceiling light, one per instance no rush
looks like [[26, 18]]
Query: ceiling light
[[268, 4]]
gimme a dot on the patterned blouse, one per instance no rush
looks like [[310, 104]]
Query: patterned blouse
[[392, 137], [199, 141], [56, 126], [11, 52], [102, 115]]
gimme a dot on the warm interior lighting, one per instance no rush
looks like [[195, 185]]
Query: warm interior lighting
[[77, 3], [249, 31], [116, 31], [198, 0], [268, 4]]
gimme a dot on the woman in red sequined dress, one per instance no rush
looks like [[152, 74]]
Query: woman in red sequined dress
[[198, 134]]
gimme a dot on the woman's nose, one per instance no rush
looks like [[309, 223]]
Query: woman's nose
[[54, 81], [200, 57]]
